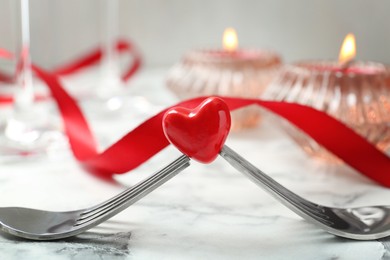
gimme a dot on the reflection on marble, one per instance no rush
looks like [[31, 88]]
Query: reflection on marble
[[206, 212], [86, 246]]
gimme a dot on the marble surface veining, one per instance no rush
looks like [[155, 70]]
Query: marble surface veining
[[206, 212]]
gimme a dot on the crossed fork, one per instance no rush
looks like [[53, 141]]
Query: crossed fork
[[200, 134]]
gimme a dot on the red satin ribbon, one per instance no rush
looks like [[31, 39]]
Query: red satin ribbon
[[95, 56], [89, 59], [4, 77], [148, 138]]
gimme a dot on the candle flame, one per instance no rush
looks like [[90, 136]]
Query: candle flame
[[230, 40], [348, 49]]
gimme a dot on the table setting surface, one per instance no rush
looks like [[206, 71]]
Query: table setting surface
[[208, 211]]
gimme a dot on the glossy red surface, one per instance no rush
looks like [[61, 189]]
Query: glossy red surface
[[199, 133]]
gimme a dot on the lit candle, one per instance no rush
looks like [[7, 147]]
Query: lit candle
[[355, 92], [348, 50], [346, 63], [230, 71], [230, 40]]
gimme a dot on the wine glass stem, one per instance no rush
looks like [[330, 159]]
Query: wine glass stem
[[25, 96], [109, 12]]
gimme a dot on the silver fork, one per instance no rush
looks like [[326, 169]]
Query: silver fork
[[49, 225], [361, 223]]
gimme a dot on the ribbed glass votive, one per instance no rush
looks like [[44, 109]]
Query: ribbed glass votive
[[233, 74], [358, 95]]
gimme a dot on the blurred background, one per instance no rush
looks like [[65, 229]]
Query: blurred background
[[165, 29]]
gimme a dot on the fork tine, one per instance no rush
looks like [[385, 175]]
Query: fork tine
[[118, 201], [315, 211], [304, 205], [129, 190], [132, 194], [293, 201]]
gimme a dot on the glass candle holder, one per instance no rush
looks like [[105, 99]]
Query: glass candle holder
[[241, 73], [357, 95]]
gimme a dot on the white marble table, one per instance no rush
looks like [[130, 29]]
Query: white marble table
[[206, 212]]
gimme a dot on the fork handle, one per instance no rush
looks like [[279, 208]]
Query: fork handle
[[279, 192]]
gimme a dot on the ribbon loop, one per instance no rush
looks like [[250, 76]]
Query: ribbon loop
[[85, 61]]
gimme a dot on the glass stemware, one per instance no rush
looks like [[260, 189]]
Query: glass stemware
[[110, 86], [29, 129], [110, 97]]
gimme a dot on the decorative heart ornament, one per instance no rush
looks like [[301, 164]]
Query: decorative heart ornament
[[199, 133]]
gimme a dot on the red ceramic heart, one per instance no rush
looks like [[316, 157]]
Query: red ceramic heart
[[199, 133]]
